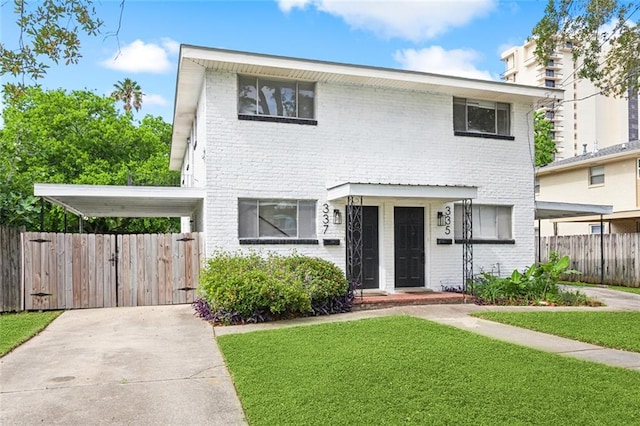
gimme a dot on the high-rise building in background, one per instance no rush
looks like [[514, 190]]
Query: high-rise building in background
[[585, 120]]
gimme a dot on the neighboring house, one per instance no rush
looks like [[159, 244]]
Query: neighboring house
[[585, 121], [377, 170], [610, 176]]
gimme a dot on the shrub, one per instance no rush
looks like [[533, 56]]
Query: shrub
[[237, 288], [533, 285]]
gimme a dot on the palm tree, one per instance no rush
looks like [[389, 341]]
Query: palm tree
[[129, 92]]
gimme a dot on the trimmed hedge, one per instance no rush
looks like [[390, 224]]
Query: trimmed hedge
[[238, 287]]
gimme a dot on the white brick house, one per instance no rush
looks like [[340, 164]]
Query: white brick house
[[311, 156]]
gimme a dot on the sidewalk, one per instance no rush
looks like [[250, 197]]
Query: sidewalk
[[458, 316]]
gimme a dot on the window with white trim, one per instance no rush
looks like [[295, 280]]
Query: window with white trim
[[276, 218], [536, 185], [596, 175], [276, 98], [595, 229], [489, 222], [483, 117]]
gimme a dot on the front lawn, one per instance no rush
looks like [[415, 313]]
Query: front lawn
[[635, 290], [17, 328], [405, 370], [619, 330]]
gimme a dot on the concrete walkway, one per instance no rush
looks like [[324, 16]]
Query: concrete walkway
[[126, 366], [458, 316], [160, 365]]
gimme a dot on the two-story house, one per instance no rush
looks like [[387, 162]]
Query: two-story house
[[404, 179], [609, 176]]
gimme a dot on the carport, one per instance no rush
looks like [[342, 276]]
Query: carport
[[549, 210]]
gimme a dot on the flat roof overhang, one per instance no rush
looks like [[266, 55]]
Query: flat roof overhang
[[629, 214], [386, 190], [558, 210], [122, 201]]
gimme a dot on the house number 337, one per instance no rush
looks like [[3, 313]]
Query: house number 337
[[325, 217]]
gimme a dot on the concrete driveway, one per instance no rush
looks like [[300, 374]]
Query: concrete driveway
[[145, 365]]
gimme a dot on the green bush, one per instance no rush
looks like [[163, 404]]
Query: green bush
[[244, 287], [535, 284]]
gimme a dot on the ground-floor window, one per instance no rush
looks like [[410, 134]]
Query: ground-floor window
[[489, 222], [276, 218]]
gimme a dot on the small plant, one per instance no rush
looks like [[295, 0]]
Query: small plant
[[238, 288], [535, 285]]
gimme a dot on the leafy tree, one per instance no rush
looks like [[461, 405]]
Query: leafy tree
[[49, 33], [602, 34], [129, 93], [79, 137], [545, 147]]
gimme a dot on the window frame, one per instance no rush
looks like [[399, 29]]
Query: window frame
[[536, 185], [480, 103], [592, 176], [485, 239], [593, 226], [257, 116], [257, 238]]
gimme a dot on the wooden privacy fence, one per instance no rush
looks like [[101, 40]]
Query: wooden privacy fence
[[10, 269], [70, 271], [621, 257]]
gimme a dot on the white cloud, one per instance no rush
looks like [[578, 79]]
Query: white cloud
[[154, 99], [143, 57], [287, 5], [434, 59], [414, 20]]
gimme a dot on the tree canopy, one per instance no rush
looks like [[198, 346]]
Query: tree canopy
[[49, 32], [604, 37], [129, 93], [545, 147], [78, 137]]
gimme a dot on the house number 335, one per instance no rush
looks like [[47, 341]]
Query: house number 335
[[447, 220]]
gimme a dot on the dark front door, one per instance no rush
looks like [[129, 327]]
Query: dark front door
[[370, 265], [409, 246]]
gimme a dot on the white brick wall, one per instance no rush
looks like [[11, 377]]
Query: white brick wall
[[365, 134]]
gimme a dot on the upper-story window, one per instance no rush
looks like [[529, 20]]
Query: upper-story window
[[596, 175], [549, 83], [638, 168], [482, 117], [276, 98], [536, 185]]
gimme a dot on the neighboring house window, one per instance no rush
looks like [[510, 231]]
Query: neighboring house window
[[596, 175], [536, 185], [638, 168], [550, 73], [276, 218], [550, 83], [275, 98], [489, 222], [484, 117], [595, 229]]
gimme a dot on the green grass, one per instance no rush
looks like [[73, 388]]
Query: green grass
[[15, 329], [619, 330], [403, 370], [635, 290]]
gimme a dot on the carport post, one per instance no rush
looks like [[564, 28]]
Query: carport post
[[539, 244], [601, 251]]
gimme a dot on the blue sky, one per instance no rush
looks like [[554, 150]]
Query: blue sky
[[458, 37]]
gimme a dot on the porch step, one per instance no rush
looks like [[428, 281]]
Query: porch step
[[380, 300]]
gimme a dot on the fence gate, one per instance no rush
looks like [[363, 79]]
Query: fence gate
[[71, 271]]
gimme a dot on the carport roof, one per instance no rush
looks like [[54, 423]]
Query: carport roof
[[122, 201], [558, 210]]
